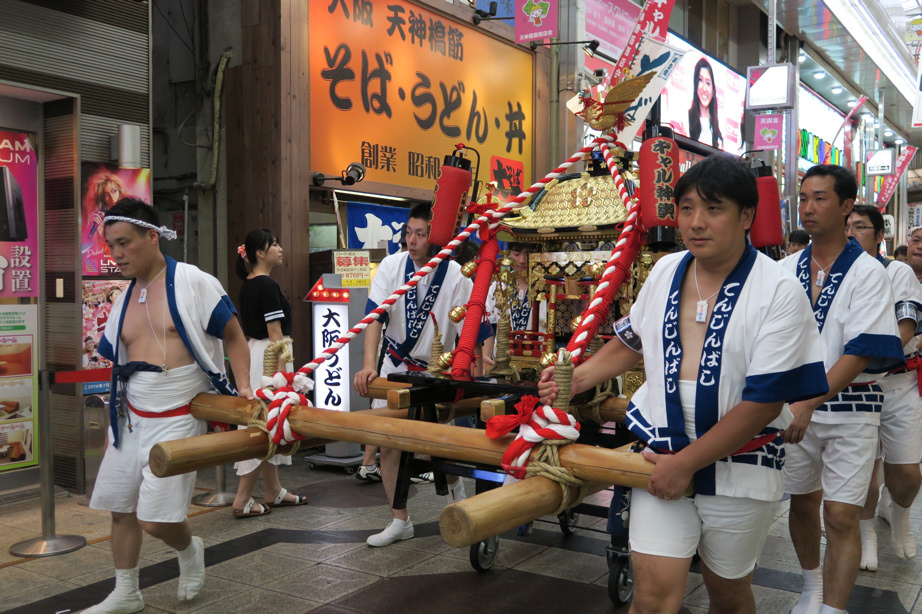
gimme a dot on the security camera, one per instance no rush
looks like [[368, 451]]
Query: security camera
[[354, 173], [599, 73]]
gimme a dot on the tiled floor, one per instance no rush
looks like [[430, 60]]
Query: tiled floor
[[314, 559]]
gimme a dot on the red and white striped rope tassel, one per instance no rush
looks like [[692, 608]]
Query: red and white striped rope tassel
[[597, 311]]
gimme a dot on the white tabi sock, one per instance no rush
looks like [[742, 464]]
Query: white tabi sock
[[883, 505], [904, 542], [191, 569], [828, 609], [868, 545], [811, 598], [125, 599]]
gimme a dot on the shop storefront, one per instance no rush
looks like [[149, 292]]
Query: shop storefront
[[393, 87], [61, 105]]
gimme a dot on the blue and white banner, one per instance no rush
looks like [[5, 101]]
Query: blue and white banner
[[370, 224]]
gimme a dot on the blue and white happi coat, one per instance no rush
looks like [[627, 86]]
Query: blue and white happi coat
[[855, 315], [907, 294], [437, 293], [761, 346], [199, 308]]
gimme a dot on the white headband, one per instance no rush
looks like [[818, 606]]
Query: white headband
[[163, 231]]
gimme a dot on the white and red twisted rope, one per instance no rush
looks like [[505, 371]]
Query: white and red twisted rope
[[615, 271], [535, 424], [299, 382]]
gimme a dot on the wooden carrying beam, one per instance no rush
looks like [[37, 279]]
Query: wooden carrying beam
[[501, 509], [215, 449], [379, 387], [585, 462], [612, 409]]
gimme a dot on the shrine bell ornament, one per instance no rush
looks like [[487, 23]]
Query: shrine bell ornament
[[457, 313]]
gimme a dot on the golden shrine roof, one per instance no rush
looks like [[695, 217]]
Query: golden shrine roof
[[575, 202]]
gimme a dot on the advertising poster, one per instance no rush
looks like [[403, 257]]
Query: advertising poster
[[769, 131], [354, 266], [18, 215], [103, 186], [704, 100], [610, 22], [535, 20], [18, 386], [98, 298], [395, 87]]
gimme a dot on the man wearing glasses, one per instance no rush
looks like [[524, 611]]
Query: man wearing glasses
[[901, 416], [914, 251], [834, 438]]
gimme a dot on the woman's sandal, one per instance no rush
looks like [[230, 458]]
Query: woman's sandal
[[247, 511], [281, 502]]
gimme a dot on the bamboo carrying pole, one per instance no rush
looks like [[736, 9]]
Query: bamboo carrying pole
[[501, 509], [585, 462], [612, 409]]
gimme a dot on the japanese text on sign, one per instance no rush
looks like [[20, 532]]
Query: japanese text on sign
[[332, 378], [354, 267], [397, 86]]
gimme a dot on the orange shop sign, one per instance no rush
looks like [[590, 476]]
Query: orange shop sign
[[395, 87]]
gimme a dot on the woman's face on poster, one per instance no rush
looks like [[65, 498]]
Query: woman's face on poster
[[111, 194], [705, 87]]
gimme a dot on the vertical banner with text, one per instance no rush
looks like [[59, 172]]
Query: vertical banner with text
[[18, 215], [395, 87]]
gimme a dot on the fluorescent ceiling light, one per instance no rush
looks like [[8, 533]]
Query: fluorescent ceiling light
[[801, 58], [852, 104], [864, 28], [371, 195], [819, 75], [888, 133], [837, 90], [899, 141]]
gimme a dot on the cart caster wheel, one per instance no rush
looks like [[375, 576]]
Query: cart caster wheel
[[311, 466], [568, 520], [620, 581], [483, 554], [350, 470]]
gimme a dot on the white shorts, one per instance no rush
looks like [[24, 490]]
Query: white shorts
[[728, 532], [125, 483], [835, 458], [257, 352], [901, 420]]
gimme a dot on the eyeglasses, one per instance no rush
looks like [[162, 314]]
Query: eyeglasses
[[858, 228]]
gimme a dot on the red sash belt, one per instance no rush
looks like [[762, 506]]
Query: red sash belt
[[753, 444], [183, 410], [410, 366], [912, 364]]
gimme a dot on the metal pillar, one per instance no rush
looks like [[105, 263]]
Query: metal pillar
[[48, 544], [219, 497]]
